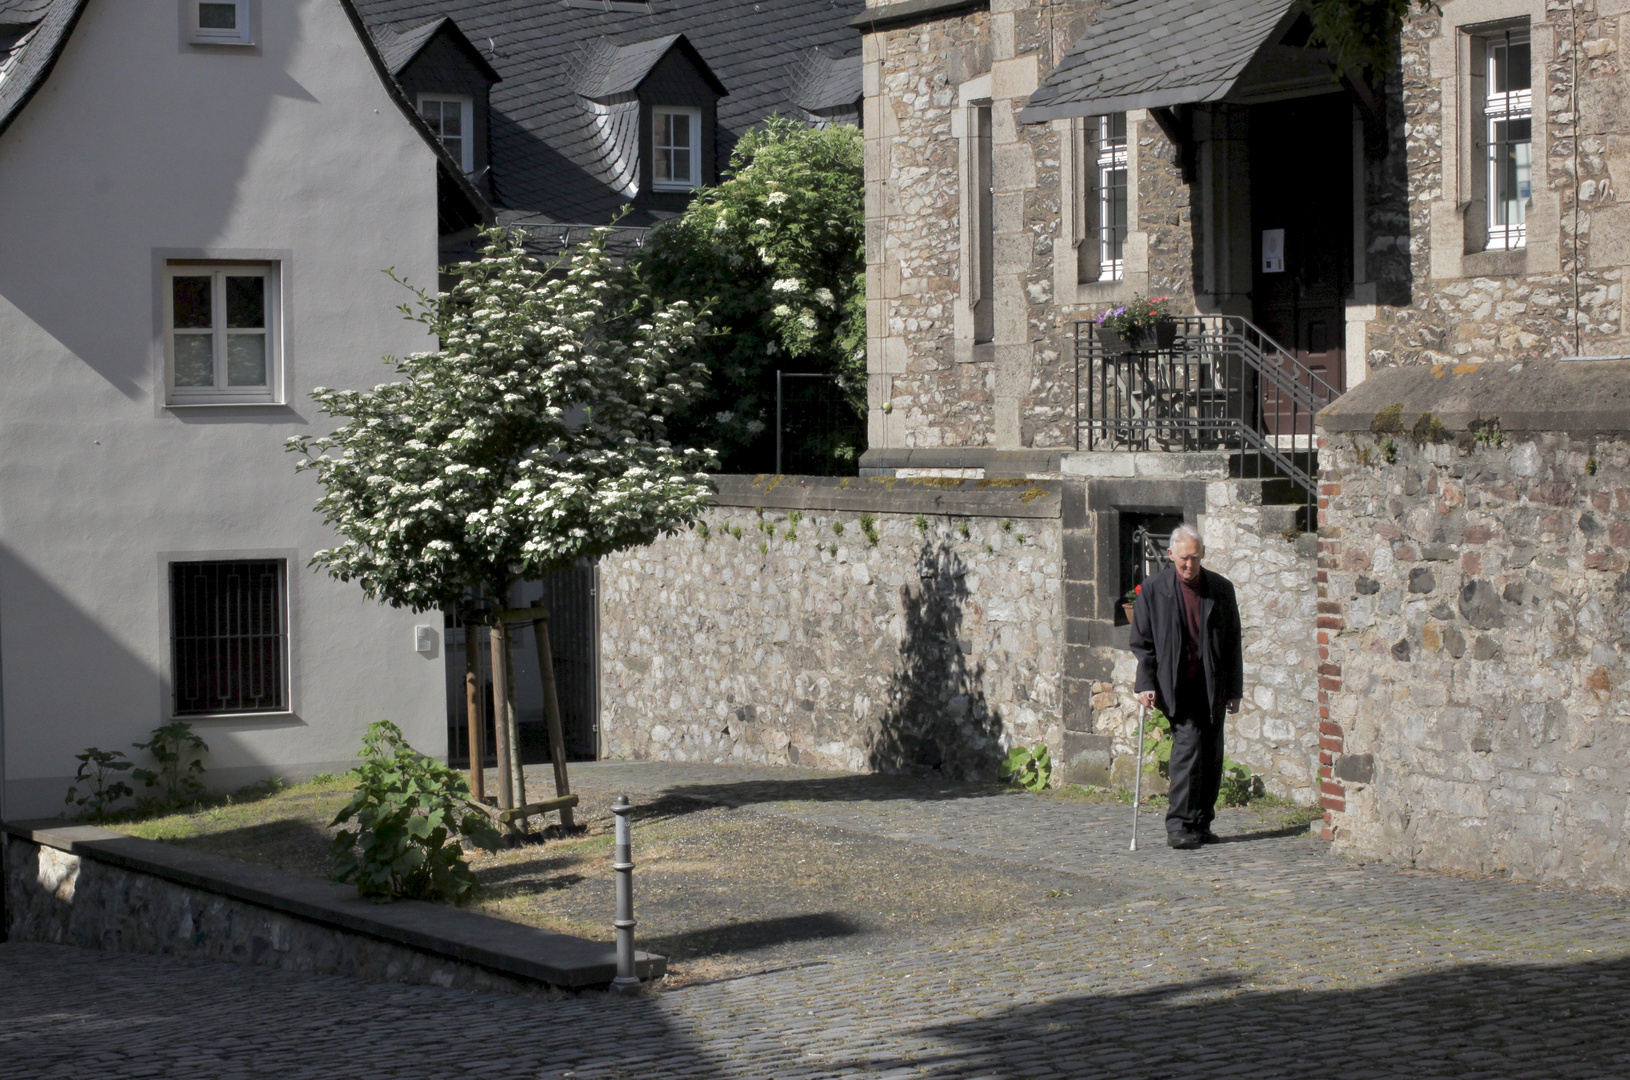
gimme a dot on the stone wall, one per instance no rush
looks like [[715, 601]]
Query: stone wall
[[64, 899], [1476, 611], [875, 626], [972, 615]]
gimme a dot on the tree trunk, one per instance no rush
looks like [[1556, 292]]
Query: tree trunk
[[551, 710], [472, 709], [500, 712]]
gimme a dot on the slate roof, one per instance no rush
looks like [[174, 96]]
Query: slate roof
[[549, 149], [1145, 54], [26, 59], [398, 45], [35, 33]]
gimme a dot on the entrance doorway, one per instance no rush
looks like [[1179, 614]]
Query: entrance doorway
[[1302, 233]]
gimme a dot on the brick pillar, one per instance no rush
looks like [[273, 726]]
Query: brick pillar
[[1332, 793]]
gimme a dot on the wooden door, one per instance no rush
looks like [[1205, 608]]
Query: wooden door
[[1302, 197]]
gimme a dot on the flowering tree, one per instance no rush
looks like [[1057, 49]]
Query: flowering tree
[[777, 253], [536, 436]]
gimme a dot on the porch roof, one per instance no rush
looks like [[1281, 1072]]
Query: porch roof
[[1149, 54]]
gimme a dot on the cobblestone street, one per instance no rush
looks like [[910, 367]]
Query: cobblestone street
[[1262, 956]]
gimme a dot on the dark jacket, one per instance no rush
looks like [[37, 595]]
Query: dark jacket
[[1157, 640]]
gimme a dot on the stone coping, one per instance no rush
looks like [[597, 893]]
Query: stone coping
[[507, 948], [906, 12], [893, 495], [1580, 396], [994, 463]]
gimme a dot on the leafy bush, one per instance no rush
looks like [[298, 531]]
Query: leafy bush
[[98, 768], [1029, 767], [178, 753], [776, 253], [408, 808]]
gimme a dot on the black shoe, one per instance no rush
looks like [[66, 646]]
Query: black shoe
[[1183, 840], [1209, 837]]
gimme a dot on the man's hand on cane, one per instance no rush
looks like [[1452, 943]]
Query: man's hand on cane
[[1146, 698]]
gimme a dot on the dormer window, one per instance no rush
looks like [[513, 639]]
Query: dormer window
[[449, 117], [219, 22], [676, 142]]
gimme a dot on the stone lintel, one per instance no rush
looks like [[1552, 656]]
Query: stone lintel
[[997, 464], [1028, 499], [508, 948], [908, 12], [1117, 463]]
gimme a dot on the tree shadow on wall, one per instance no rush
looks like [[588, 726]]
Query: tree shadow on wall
[[935, 715]]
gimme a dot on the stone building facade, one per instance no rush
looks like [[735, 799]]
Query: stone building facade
[[1422, 281], [1474, 617]]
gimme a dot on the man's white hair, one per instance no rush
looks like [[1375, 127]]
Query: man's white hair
[[1188, 532]]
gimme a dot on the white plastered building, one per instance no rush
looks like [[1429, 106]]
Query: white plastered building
[[198, 202]]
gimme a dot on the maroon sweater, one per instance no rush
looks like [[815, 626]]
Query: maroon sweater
[[1193, 627]]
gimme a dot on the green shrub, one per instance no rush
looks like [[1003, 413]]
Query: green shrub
[[178, 752], [98, 768], [408, 808], [1029, 767]]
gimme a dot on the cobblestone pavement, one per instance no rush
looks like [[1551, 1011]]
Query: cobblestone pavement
[[1263, 956]]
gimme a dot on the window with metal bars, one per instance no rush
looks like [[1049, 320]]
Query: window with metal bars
[[228, 637], [1508, 111], [1109, 213]]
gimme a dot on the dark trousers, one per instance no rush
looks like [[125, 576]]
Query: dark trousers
[[1197, 760]]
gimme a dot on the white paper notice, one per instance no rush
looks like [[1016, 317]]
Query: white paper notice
[[1273, 251]]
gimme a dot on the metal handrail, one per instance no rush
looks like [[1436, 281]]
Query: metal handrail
[[1219, 384]]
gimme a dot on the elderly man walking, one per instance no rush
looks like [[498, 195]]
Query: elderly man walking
[[1186, 636]]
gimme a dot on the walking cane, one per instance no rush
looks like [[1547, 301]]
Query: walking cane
[[1137, 776]]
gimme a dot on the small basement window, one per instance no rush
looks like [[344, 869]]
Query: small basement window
[[221, 338], [219, 22], [1145, 537], [449, 116], [676, 149], [229, 642]]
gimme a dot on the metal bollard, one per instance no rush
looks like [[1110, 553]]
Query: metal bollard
[[627, 981]]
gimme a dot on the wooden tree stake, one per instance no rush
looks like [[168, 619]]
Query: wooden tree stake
[[472, 709], [551, 710], [499, 638]]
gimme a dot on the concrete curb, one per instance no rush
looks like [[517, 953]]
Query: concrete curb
[[495, 945]]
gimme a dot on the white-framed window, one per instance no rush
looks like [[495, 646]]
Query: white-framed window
[[1107, 213], [676, 149], [229, 640], [221, 339], [219, 22], [1508, 113], [450, 117]]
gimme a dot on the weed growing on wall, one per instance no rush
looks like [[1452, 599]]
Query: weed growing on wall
[[408, 809], [868, 526]]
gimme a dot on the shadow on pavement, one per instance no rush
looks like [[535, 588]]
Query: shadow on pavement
[[752, 935], [689, 798], [1469, 1020]]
